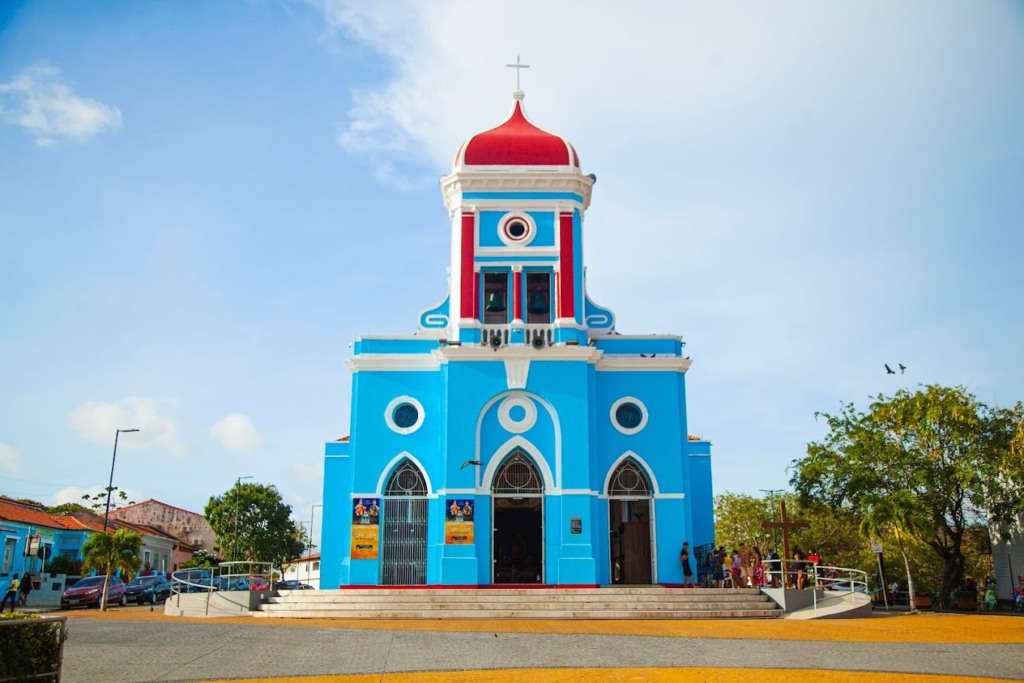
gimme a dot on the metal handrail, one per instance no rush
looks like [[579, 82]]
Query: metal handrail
[[62, 635], [217, 576]]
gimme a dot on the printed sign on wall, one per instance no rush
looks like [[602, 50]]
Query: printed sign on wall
[[365, 528], [458, 524]]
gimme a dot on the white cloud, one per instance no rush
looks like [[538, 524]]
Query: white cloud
[[10, 460], [97, 422], [236, 433], [49, 109]]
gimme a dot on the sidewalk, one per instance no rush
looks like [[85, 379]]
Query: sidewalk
[[133, 644]]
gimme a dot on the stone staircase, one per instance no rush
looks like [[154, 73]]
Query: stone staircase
[[620, 602]]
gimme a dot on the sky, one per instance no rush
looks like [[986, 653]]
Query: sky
[[203, 204]]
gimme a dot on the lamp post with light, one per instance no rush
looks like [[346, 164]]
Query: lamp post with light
[[238, 486], [110, 486]]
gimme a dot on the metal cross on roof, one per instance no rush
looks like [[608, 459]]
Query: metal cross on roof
[[517, 66]]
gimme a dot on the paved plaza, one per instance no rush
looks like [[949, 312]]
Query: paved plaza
[[137, 645]]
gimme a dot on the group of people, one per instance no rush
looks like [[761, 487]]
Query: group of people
[[746, 567], [17, 592]]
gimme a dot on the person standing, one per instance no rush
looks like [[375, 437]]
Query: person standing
[[773, 569], [744, 565], [12, 594], [26, 588], [684, 559]]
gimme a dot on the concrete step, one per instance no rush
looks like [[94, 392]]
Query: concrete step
[[513, 606], [472, 599], [522, 614], [619, 602]]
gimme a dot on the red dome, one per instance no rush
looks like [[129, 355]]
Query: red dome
[[517, 142]]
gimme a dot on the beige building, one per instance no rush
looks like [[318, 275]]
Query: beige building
[[190, 528]]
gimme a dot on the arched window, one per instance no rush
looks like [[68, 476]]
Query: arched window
[[406, 480], [518, 475], [629, 480]]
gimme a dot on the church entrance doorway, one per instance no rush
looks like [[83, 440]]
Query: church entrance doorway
[[629, 525], [517, 542], [403, 546]]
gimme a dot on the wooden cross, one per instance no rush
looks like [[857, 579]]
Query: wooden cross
[[517, 66], [785, 526]]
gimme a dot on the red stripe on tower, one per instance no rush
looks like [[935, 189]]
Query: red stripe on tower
[[566, 268], [467, 309], [517, 297]]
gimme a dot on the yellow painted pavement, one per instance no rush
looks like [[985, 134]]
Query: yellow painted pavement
[[887, 628]]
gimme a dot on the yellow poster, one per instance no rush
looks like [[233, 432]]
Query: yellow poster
[[365, 528], [458, 523]]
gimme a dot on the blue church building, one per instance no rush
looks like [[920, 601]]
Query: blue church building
[[516, 437]]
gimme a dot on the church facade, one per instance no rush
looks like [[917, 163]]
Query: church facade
[[516, 437]]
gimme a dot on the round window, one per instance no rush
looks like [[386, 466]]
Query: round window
[[628, 415], [405, 415], [516, 230]]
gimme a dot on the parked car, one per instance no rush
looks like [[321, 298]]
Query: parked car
[[151, 589], [230, 583], [86, 593], [259, 584], [292, 585], [190, 580]]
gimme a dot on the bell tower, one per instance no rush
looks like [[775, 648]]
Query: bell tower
[[516, 198]]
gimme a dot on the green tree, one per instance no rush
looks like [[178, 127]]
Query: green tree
[[201, 558], [66, 509], [900, 514], [98, 501], [951, 452], [255, 515], [740, 518], [111, 552]]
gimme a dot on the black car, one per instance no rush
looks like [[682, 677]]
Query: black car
[[151, 589], [292, 585]]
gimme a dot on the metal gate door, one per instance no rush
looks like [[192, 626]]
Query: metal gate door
[[404, 542]]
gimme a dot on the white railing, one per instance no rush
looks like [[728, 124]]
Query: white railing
[[228, 576]]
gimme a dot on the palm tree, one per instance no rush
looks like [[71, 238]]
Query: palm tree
[[899, 513], [111, 552]]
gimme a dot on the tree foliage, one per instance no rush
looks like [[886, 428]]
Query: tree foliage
[[740, 518], [98, 501], [261, 521], [66, 509], [899, 514], [112, 552], [201, 558], [954, 456]]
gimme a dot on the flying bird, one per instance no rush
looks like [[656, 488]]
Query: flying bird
[[888, 370], [903, 368], [470, 462]]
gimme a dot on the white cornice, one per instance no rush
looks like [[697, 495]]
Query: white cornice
[[611, 363], [511, 179], [552, 353], [407, 362]]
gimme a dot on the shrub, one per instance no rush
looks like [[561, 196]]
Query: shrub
[[31, 649], [64, 564]]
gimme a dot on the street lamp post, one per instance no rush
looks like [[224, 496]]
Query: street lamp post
[[234, 546], [110, 486], [312, 522]]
